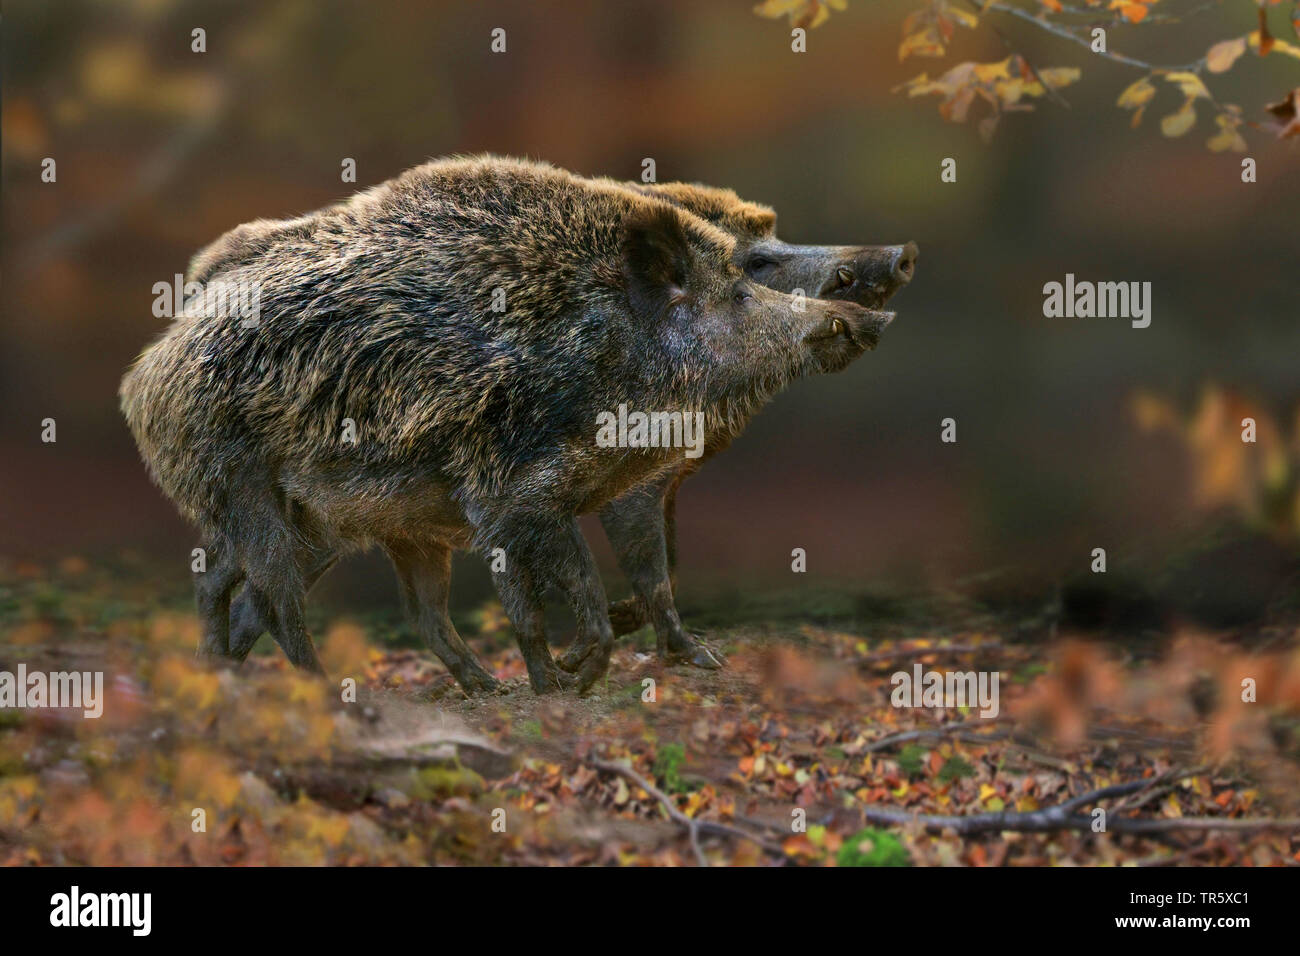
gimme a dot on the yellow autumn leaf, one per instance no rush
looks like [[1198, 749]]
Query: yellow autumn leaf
[[987, 73], [1176, 124], [1137, 94], [1223, 55], [1058, 76], [1227, 138], [778, 8], [919, 44], [1189, 83]]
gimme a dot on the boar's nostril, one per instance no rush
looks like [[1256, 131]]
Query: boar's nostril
[[905, 264]]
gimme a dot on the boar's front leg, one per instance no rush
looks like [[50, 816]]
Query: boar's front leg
[[637, 531], [541, 552], [632, 614], [424, 574]]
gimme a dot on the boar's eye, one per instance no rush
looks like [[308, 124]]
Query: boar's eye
[[742, 295]]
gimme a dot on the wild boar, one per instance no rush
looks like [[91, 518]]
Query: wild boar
[[430, 363]]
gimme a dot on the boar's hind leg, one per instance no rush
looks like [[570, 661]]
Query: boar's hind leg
[[212, 596], [633, 523], [424, 575], [636, 527], [273, 573], [250, 612]]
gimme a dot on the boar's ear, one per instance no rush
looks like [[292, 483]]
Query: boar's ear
[[657, 258]]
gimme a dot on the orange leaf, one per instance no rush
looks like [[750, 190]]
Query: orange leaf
[[1265, 38]]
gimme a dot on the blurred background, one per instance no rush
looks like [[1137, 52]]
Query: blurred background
[[160, 149]]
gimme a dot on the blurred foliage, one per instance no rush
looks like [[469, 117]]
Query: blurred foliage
[[1003, 86], [289, 771], [1241, 455]]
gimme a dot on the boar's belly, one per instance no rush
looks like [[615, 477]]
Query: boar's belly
[[414, 510]]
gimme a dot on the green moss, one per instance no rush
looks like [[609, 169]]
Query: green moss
[[438, 783], [871, 847], [909, 759], [955, 769], [668, 765]]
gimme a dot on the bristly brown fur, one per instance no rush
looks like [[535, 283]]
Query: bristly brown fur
[[365, 316]]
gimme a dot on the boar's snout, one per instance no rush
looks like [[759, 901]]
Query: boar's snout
[[869, 275], [844, 330]]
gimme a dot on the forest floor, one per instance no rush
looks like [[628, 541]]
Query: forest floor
[[1103, 751]]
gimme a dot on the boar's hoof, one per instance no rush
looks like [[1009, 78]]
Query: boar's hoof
[[554, 682], [578, 652], [696, 655], [592, 670], [627, 616], [481, 683]]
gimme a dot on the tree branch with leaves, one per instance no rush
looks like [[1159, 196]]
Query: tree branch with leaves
[[1010, 85]]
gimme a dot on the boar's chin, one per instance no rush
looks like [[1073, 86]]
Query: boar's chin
[[839, 361], [842, 354], [731, 402]]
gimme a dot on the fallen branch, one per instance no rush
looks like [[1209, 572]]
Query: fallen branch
[[1063, 817], [694, 828], [976, 736]]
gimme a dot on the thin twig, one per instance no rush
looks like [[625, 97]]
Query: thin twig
[[693, 827], [1060, 30], [1092, 12], [1051, 92]]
